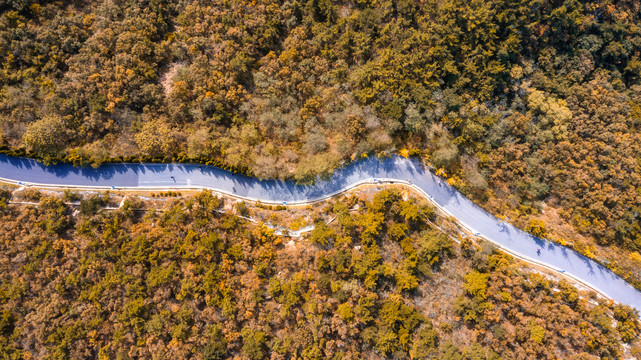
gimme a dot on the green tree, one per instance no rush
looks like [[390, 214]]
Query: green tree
[[254, 343], [155, 138], [56, 218], [322, 234], [47, 136]]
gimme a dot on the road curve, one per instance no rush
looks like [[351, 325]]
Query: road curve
[[477, 220]]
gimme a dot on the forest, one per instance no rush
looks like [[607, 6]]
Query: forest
[[521, 104], [388, 278], [530, 107]]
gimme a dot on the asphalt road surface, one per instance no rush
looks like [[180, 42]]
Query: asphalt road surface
[[166, 176]]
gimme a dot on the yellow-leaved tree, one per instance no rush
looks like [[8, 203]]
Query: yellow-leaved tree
[[46, 136], [155, 138]]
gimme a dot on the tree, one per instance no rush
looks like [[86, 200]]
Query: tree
[[476, 284], [446, 152], [154, 138], [254, 343], [425, 342], [554, 114], [415, 122], [56, 218], [91, 205], [355, 127], [627, 322], [199, 143], [537, 332], [345, 312], [537, 228], [322, 234], [405, 279], [46, 136]]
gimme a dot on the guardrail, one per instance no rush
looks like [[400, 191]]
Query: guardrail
[[370, 181]]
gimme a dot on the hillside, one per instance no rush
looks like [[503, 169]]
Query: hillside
[[524, 105], [187, 277]]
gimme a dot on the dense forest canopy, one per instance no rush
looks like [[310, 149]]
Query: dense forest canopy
[[521, 104], [513, 100], [383, 280]]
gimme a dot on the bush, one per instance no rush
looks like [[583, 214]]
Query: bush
[[71, 196], [31, 194], [241, 209], [91, 205]]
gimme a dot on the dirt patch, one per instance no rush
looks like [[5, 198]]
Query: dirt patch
[[167, 79]]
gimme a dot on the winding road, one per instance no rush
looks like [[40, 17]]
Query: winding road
[[397, 169]]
